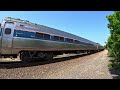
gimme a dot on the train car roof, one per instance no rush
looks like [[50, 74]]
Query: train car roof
[[62, 33], [47, 29]]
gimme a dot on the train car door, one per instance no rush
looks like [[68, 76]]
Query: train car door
[[7, 37]]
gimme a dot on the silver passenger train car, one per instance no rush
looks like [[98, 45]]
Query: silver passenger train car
[[29, 40]]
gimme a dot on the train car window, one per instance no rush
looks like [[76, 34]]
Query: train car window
[[91, 44], [39, 35], [62, 39], [52, 37], [7, 31], [56, 38], [83, 43], [29, 34], [77, 42], [69, 40], [19, 33], [65, 39], [21, 25], [47, 36]]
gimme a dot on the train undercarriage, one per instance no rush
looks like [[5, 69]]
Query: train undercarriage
[[28, 56]]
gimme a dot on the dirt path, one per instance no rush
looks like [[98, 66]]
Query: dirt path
[[88, 67], [94, 66]]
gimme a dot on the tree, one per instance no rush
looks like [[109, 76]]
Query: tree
[[113, 42]]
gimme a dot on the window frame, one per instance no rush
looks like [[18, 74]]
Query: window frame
[[76, 41], [58, 38], [7, 31], [45, 36], [61, 39], [68, 40], [37, 35]]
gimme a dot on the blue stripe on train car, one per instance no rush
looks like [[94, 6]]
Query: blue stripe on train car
[[0, 31], [25, 34]]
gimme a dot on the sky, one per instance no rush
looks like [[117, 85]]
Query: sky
[[91, 25]]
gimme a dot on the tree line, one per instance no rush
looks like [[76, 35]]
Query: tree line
[[113, 42]]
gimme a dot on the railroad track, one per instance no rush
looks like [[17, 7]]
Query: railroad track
[[16, 63]]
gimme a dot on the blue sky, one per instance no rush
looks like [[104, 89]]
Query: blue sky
[[91, 25]]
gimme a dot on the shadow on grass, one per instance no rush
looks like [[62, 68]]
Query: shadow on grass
[[115, 73], [114, 69]]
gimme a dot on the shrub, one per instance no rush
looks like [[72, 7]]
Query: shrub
[[113, 42]]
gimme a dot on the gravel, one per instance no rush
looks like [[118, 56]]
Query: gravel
[[94, 66]]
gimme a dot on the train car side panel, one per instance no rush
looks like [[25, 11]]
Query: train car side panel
[[29, 44]]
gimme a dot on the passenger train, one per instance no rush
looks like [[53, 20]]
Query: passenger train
[[27, 40]]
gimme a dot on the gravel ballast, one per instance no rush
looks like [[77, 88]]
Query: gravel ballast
[[94, 66]]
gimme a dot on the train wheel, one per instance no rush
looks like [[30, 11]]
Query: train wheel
[[25, 58], [49, 56]]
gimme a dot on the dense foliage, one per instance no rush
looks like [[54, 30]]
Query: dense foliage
[[113, 43]]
